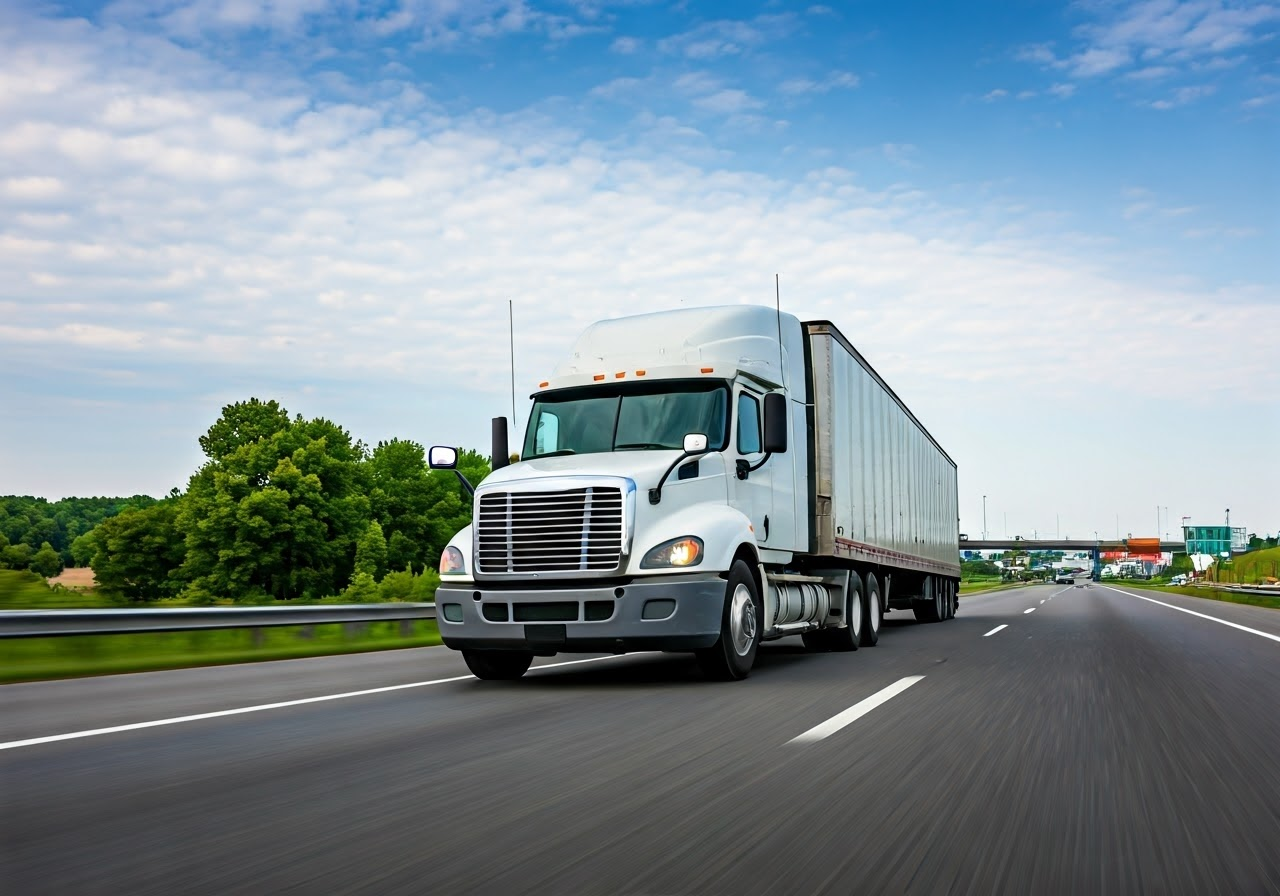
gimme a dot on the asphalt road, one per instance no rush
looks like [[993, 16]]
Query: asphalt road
[[1103, 743]]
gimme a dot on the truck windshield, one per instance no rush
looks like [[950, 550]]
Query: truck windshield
[[627, 418]]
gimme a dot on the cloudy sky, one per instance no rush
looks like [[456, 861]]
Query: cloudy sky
[[1052, 228]]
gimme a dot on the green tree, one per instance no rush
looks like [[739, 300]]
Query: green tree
[[371, 552], [363, 589], [82, 550], [46, 562], [17, 556], [138, 554], [277, 509]]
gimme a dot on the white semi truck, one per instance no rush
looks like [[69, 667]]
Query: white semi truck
[[702, 480]]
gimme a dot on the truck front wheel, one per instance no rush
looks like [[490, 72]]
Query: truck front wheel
[[497, 665], [733, 655]]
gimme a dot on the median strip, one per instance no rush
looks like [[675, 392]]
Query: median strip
[[855, 712]]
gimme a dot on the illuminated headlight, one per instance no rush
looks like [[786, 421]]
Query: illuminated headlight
[[679, 552], [451, 562]]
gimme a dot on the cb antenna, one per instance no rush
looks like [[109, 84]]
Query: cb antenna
[[511, 333], [777, 304]]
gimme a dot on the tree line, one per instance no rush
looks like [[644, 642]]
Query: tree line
[[41, 535], [284, 508]]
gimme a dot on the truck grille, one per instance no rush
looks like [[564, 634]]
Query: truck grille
[[571, 531]]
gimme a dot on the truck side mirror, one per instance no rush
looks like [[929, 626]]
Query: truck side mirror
[[442, 457], [500, 456], [775, 423]]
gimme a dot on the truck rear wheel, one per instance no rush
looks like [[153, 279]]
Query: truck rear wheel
[[733, 655], [850, 636], [497, 665], [928, 606], [872, 613]]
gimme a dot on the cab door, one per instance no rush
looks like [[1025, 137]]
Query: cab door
[[752, 490]]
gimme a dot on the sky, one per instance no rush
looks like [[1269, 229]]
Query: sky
[[1054, 229]]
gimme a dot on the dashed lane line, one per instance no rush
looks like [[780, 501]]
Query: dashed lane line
[[855, 712]]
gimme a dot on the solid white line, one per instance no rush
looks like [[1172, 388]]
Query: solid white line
[[1243, 628], [994, 630], [94, 732], [855, 712], [1025, 612]]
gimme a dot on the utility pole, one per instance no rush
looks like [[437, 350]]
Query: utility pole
[[984, 517]]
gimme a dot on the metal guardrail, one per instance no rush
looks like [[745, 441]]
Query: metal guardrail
[[53, 623]]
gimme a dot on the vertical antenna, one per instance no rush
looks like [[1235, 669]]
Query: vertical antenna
[[777, 305], [511, 332]]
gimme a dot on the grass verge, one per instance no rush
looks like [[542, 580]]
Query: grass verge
[[1228, 597], [968, 588], [74, 656]]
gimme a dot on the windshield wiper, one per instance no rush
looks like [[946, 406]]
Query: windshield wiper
[[561, 453], [643, 445]]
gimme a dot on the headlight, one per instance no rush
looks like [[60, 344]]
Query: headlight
[[451, 562], [679, 552]]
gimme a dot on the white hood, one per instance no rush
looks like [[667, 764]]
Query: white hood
[[643, 467]]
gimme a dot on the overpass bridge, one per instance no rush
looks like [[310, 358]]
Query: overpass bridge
[[1077, 544]]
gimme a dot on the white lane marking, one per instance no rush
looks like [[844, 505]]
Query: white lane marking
[[855, 712], [994, 630], [1042, 602], [1025, 612], [1243, 628], [177, 720]]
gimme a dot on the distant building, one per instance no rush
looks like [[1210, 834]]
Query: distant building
[[1215, 540]]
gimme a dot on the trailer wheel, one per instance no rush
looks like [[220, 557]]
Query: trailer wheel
[[872, 614], [733, 655], [849, 637], [497, 665], [928, 606], [953, 600]]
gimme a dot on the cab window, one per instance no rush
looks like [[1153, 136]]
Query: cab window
[[748, 424]]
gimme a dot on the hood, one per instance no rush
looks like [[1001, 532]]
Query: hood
[[643, 467]]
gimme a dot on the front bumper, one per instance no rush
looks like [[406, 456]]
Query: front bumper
[[659, 613]]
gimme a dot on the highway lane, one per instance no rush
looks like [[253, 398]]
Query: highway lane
[[1101, 742]]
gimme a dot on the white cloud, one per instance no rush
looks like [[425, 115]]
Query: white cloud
[[998, 94], [1062, 91], [727, 37], [1184, 95], [626, 45], [1257, 102], [833, 81], [1165, 37]]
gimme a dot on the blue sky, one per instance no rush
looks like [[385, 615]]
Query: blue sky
[[1052, 227]]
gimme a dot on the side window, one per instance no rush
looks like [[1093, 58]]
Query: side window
[[748, 424], [547, 437]]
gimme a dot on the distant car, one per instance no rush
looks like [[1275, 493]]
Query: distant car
[[1064, 578]]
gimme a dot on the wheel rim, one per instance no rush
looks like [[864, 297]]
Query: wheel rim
[[742, 620], [875, 614], [937, 600], [855, 613]]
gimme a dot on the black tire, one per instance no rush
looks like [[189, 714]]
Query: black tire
[[872, 613], [497, 665], [741, 622], [928, 605], [849, 637]]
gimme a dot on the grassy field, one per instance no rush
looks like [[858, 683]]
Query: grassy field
[[33, 659], [23, 590], [1254, 600], [1253, 568]]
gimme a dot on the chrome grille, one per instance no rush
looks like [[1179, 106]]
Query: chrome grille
[[575, 530]]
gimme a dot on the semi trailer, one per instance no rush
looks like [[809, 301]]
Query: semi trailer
[[702, 480]]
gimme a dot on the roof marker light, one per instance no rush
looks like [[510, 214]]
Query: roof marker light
[[708, 370], [640, 373], [598, 377], [543, 385], [621, 374]]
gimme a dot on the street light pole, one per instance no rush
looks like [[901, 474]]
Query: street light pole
[[984, 517]]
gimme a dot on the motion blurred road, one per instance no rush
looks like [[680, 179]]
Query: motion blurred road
[[1101, 741]]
